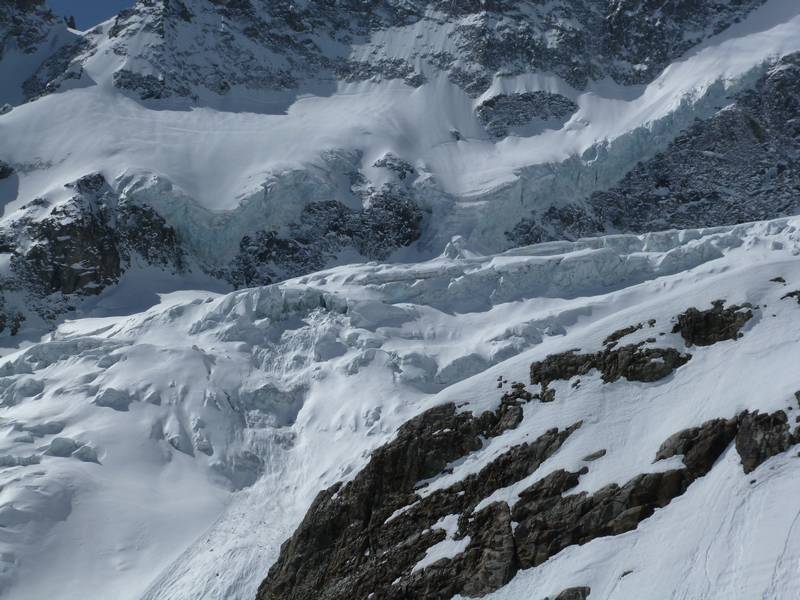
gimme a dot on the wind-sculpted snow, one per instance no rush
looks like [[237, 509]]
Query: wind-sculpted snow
[[235, 410]]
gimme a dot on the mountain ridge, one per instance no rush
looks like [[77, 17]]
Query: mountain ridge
[[399, 299]]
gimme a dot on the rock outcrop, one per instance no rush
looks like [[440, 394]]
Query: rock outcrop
[[390, 221], [762, 436], [282, 46], [700, 446], [739, 165], [717, 324], [795, 294], [359, 538], [26, 24], [531, 111], [6, 170], [633, 362], [372, 537], [574, 593]]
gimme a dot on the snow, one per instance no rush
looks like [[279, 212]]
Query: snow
[[726, 537], [239, 412], [180, 161], [17, 65], [164, 441], [448, 547]]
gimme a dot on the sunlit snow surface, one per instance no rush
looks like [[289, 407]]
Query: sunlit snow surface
[[312, 374]]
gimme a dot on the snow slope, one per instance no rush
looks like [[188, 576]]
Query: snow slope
[[169, 435], [215, 419], [219, 172]]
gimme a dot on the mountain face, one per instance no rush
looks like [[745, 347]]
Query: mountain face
[[29, 35], [400, 299], [271, 139], [748, 150], [501, 426], [194, 48]]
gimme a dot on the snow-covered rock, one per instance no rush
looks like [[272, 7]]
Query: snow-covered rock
[[263, 140], [267, 396], [162, 435]]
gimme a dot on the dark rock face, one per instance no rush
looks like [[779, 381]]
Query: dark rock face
[[569, 222], [633, 362], [84, 244], [795, 294], [758, 436], [80, 246], [595, 455], [26, 22], [141, 231], [637, 362], [354, 540], [61, 66], [74, 250], [266, 257], [391, 221], [146, 86], [717, 324], [305, 41], [630, 41], [616, 336], [550, 522], [372, 537], [649, 33], [29, 26], [385, 68], [699, 445], [540, 110], [6, 170], [742, 164], [574, 593], [762, 436]]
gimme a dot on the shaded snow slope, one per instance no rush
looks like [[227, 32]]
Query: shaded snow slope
[[168, 454]]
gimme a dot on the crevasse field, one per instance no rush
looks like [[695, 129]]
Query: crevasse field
[[167, 436], [314, 373]]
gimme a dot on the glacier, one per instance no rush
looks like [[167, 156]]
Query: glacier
[[215, 418], [162, 434]]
